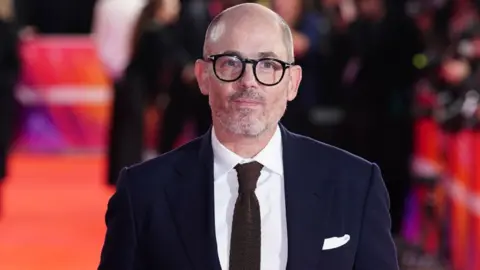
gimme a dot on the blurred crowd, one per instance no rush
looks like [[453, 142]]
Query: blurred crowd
[[363, 62]]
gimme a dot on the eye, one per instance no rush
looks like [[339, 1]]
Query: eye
[[270, 64], [229, 62]]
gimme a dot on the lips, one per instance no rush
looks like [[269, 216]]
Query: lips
[[247, 102]]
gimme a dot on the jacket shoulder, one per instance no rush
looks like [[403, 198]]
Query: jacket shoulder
[[337, 160], [160, 170]]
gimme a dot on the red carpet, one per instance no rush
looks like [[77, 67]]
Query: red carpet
[[53, 214]]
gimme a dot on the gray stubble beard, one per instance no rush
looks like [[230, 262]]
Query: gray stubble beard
[[244, 127]]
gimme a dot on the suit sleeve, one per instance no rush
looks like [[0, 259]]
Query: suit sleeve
[[376, 248], [118, 250]]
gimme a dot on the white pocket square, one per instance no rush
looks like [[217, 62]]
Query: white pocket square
[[335, 242]]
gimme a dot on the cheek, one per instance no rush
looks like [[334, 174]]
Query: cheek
[[219, 95], [278, 101]]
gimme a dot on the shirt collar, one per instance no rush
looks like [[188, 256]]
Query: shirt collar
[[270, 156]]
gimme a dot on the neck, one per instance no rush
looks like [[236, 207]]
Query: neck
[[244, 146]]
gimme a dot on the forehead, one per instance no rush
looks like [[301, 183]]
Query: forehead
[[249, 35]]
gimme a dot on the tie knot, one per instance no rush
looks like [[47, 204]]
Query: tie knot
[[248, 174]]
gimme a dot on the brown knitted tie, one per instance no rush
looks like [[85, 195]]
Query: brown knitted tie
[[245, 239]]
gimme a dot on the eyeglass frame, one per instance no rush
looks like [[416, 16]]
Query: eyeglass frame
[[214, 57]]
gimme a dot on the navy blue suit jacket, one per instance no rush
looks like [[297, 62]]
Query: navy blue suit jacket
[[162, 215]]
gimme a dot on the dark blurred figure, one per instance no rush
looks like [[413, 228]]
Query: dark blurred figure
[[335, 47], [378, 81], [9, 74], [186, 102], [337, 16], [305, 23], [154, 50]]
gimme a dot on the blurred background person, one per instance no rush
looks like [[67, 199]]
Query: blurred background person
[[113, 24], [305, 23], [377, 84], [186, 104], [9, 74], [154, 52]]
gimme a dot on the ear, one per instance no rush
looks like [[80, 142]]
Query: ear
[[295, 79], [201, 73]]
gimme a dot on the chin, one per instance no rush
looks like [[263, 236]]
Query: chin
[[249, 129], [242, 124]]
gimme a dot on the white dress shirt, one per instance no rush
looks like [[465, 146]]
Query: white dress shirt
[[113, 25], [271, 197]]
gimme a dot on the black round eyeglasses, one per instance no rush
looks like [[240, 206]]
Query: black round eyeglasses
[[230, 67]]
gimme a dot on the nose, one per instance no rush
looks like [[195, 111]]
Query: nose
[[248, 78]]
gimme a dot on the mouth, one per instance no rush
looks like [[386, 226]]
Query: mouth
[[247, 102]]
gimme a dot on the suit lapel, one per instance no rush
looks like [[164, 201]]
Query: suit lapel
[[308, 196], [191, 202]]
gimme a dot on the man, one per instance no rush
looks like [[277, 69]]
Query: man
[[204, 206]]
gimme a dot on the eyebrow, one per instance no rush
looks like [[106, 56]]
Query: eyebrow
[[268, 54], [237, 53]]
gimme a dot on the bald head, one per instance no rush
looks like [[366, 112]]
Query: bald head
[[256, 16]]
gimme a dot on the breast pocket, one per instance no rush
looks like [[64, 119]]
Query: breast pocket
[[337, 253], [335, 242]]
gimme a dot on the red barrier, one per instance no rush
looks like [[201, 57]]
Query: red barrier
[[427, 167], [459, 156], [474, 220]]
